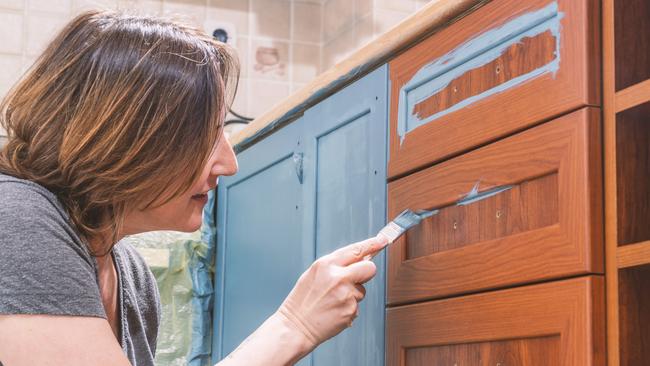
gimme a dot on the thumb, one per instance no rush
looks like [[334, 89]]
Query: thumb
[[355, 252]]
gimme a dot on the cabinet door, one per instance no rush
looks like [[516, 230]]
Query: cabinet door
[[523, 209], [558, 323], [345, 173], [502, 68], [260, 246]]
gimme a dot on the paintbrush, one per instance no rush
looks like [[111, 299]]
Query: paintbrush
[[404, 221]]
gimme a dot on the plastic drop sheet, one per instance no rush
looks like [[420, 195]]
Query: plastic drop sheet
[[183, 264]]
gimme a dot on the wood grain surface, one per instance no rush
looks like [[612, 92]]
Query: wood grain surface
[[556, 323], [633, 174], [575, 84], [566, 150], [634, 317], [632, 32]]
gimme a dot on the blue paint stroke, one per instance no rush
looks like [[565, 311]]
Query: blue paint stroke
[[474, 195], [473, 54]]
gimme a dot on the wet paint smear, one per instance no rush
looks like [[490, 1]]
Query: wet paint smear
[[531, 41]]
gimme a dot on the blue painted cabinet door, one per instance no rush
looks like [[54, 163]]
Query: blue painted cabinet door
[[345, 174], [311, 187], [259, 238]]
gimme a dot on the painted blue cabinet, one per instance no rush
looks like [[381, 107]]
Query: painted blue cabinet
[[313, 186]]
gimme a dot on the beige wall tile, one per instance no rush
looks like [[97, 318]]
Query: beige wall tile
[[271, 18], [11, 32], [297, 86], [386, 19], [234, 12], [398, 5], [364, 31], [12, 4], [338, 17], [269, 60], [307, 22], [82, 5], [264, 95], [41, 30], [305, 63], [11, 66], [339, 48], [52, 6], [192, 11], [362, 8]]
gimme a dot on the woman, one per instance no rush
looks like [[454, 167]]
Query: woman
[[116, 130]]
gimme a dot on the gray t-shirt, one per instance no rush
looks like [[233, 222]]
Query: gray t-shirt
[[46, 269]]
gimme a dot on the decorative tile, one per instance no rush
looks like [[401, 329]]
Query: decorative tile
[[243, 47], [41, 30], [11, 32], [269, 60], [79, 6], [364, 31], [307, 22], [264, 95], [305, 63], [271, 18], [234, 12]]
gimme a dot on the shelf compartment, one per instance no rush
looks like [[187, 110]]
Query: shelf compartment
[[634, 317], [632, 37], [633, 174]]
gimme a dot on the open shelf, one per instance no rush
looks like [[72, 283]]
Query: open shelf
[[633, 96], [634, 315], [632, 42], [633, 255], [633, 174]]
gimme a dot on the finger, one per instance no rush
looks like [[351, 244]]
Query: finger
[[356, 252], [360, 272], [360, 292]]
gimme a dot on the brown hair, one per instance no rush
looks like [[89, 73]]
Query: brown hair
[[119, 110]]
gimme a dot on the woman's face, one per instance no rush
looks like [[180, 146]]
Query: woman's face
[[185, 212]]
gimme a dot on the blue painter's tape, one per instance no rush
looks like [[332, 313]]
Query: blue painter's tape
[[477, 52]]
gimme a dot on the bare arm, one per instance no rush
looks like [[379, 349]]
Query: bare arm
[[322, 304], [27, 340]]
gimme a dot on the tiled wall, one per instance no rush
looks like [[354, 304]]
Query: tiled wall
[[282, 44], [350, 24]]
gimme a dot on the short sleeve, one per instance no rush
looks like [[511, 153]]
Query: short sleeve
[[44, 266]]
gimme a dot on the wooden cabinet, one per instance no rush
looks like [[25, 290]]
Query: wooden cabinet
[[559, 323], [500, 69], [314, 186], [525, 208]]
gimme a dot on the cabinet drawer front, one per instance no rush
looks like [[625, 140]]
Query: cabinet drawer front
[[502, 68], [525, 208], [559, 323]]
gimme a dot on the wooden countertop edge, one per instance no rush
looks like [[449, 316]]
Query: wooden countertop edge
[[427, 20]]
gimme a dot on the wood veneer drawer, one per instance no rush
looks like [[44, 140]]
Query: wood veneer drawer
[[504, 67], [551, 324], [545, 223]]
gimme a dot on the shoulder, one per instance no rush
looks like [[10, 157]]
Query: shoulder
[[23, 200]]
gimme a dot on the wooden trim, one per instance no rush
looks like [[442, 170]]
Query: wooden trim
[[633, 96], [431, 17], [609, 148], [633, 255]]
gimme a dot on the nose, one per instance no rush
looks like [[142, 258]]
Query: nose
[[225, 163]]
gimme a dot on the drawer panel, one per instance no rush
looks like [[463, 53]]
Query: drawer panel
[[558, 323], [525, 208], [502, 68]]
